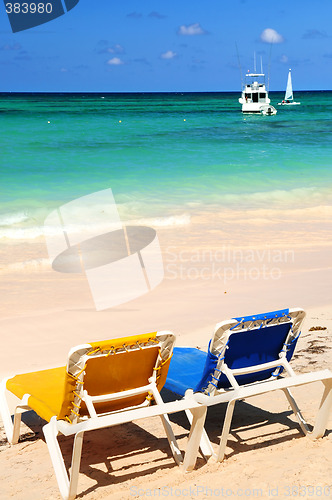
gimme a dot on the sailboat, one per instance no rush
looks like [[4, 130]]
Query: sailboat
[[289, 98]]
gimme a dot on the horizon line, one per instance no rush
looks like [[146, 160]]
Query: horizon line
[[145, 91]]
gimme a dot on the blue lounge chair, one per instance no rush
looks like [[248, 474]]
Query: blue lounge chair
[[247, 356]]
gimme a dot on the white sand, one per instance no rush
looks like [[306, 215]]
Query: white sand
[[44, 313]]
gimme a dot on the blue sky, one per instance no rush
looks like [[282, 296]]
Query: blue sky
[[185, 45]]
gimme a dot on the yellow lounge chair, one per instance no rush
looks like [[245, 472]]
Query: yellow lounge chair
[[104, 384]]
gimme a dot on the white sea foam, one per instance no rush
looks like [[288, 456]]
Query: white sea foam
[[171, 221], [23, 234], [23, 226], [280, 198], [28, 266], [13, 218], [33, 232]]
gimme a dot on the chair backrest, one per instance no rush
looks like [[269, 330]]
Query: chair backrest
[[115, 366], [246, 345]]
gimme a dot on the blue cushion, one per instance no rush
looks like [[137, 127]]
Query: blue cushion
[[191, 368], [186, 369]]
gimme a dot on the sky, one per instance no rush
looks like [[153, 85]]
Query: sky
[[169, 46]]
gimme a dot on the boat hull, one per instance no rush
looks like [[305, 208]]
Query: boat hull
[[268, 110], [288, 103], [253, 107]]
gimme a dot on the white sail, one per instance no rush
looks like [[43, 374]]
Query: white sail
[[289, 98], [289, 88]]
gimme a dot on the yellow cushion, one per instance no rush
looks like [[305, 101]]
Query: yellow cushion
[[121, 372], [46, 389], [51, 391]]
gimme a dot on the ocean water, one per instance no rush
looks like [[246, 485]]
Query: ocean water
[[165, 156]]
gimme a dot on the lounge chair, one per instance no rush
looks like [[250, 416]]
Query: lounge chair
[[247, 356], [104, 384]]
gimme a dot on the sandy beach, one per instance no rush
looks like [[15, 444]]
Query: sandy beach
[[158, 174], [44, 313]]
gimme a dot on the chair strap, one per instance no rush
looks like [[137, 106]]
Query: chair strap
[[157, 373]]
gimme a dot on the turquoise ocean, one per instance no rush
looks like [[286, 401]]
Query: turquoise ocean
[[164, 156]]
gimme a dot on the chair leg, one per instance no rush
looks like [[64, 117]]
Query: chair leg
[[67, 485], [12, 429], [172, 439], [297, 412], [198, 416], [205, 443], [5, 413], [324, 411], [168, 429], [16, 426], [75, 465], [322, 415], [225, 430], [50, 432]]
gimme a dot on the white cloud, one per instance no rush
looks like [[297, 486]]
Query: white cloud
[[284, 59], [191, 29], [103, 47], [168, 55], [271, 36], [115, 61], [116, 49]]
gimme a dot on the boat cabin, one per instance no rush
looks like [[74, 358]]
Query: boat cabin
[[254, 96]]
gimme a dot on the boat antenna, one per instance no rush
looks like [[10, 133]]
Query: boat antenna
[[261, 65], [238, 60], [268, 72]]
